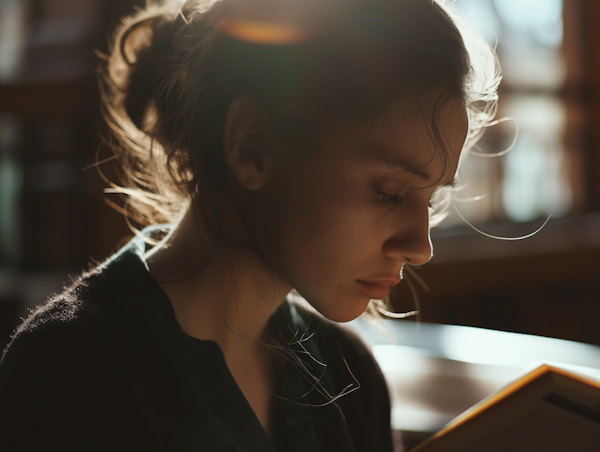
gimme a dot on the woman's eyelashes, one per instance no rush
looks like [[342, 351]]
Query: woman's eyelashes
[[384, 195], [394, 198]]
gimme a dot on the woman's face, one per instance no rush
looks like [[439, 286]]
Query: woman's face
[[341, 220]]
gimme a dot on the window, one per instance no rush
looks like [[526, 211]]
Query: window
[[533, 179]]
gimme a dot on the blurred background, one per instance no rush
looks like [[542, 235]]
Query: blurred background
[[55, 219], [548, 284]]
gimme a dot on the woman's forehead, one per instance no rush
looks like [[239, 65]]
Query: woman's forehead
[[409, 139]]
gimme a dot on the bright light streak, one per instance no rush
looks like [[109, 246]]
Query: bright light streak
[[263, 32]]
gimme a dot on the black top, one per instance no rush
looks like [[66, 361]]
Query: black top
[[104, 366]]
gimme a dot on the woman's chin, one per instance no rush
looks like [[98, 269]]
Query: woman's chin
[[343, 311]]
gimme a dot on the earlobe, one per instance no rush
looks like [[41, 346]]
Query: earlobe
[[247, 143]]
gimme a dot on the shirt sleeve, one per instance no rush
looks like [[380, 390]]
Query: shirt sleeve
[[59, 390]]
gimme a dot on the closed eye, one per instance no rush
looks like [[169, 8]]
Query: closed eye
[[394, 198]]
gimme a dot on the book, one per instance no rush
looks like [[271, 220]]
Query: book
[[549, 409]]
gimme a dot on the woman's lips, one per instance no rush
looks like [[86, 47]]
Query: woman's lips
[[374, 290]]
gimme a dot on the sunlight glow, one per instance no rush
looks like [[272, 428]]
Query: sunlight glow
[[263, 32], [530, 13]]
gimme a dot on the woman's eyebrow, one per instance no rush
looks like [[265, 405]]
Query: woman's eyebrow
[[400, 167]]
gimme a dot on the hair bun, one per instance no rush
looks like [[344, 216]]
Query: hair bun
[[146, 49]]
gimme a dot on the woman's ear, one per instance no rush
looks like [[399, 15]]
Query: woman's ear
[[248, 143]]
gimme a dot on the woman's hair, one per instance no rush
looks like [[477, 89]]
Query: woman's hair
[[176, 67]]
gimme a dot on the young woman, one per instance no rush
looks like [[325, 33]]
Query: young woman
[[274, 145]]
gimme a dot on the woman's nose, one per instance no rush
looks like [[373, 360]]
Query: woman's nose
[[411, 242]]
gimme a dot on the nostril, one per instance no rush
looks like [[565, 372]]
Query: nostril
[[410, 251], [417, 252]]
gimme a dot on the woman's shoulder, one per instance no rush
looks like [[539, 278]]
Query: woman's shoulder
[[94, 308], [62, 337], [101, 300], [81, 309], [67, 309], [74, 365], [54, 354]]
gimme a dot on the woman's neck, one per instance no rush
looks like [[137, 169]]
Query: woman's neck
[[219, 292], [224, 294]]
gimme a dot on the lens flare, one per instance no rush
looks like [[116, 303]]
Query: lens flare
[[263, 32]]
